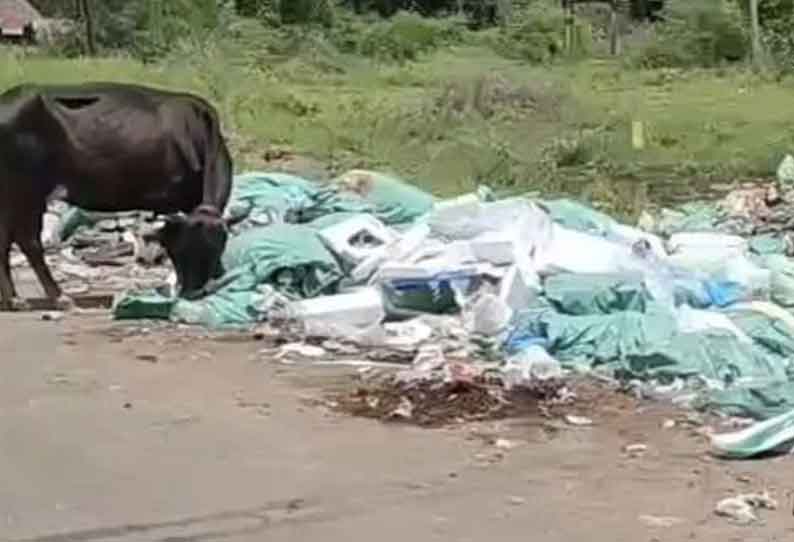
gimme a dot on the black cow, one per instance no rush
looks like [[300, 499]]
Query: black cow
[[113, 147]]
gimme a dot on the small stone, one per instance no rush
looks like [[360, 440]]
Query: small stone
[[128, 405], [517, 501], [405, 411], [149, 358], [668, 424], [52, 316], [578, 421], [504, 444], [635, 449]]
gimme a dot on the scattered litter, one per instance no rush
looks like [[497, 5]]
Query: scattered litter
[[302, 350], [578, 421], [660, 522], [404, 411], [635, 450], [478, 302], [669, 424], [504, 444], [52, 316], [517, 501], [742, 508]]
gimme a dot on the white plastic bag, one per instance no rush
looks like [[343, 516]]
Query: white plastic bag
[[571, 251]]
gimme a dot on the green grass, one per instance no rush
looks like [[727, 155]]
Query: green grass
[[459, 117]]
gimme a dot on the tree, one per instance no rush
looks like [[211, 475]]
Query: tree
[[85, 11]]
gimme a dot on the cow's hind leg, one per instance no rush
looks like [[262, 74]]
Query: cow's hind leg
[[7, 290], [29, 240]]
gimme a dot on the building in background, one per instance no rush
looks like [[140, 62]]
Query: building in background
[[19, 21]]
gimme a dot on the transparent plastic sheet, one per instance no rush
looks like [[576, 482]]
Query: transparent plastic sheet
[[774, 434]]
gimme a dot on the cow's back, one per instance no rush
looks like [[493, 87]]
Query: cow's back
[[111, 146]]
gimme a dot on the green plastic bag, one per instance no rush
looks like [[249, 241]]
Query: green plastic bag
[[389, 199], [263, 196], [597, 339], [717, 358], [577, 216], [579, 294], [290, 257], [757, 401], [781, 279], [143, 305], [767, 244], [691, 217]]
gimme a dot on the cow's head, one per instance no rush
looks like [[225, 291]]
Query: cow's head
[[195, 244]]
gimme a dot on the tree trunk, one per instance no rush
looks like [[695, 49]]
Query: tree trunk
[[86, 8]]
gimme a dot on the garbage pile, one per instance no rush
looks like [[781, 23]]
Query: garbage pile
[[99, 253], [692, 306]]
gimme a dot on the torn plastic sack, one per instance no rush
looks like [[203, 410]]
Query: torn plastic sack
[[702, 321], [290, 257], [755, 280], [704, 252], [513, 220], [268, 198], [717, 358], [759, 402], [528, 365], [772, 333], [228, 308], [781, 280], [576, 216], [391, 200], [574, 252], [583, 294], [592, 340], [775, 434], [690, 217], [768, 244]]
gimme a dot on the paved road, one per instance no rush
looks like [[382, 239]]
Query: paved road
[[171, 439]]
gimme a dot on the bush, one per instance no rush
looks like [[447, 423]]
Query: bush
[[706, 33], [407, 35], [777, 23], [537, 35]]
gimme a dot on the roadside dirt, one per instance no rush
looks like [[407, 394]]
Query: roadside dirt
[[123, 433]]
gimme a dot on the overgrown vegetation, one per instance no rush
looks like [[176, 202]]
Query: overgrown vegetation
[[458, 99]]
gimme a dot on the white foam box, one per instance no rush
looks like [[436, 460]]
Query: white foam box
[[359, 308]]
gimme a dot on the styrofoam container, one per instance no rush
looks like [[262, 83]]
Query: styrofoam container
[[356, 309]]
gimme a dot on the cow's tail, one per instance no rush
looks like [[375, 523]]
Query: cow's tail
[[217, 183]]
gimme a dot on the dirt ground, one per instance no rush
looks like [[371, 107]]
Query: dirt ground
[[119, 433]]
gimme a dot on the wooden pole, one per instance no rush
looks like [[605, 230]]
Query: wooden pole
[[755, 29], [614, 31], [569, 26]]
